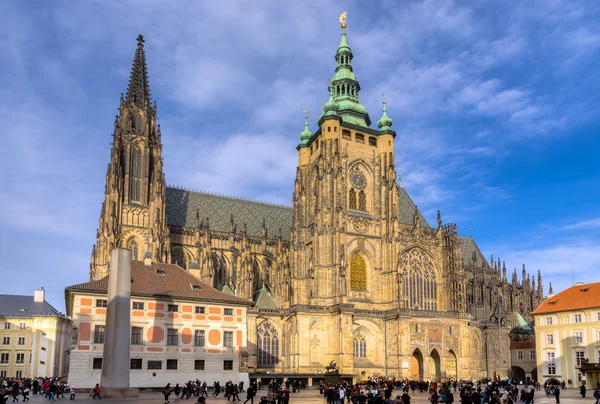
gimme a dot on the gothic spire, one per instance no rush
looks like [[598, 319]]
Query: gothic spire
[[345, 87], [138, 91]]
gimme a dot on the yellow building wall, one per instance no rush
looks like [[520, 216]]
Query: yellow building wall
[[564, 328]]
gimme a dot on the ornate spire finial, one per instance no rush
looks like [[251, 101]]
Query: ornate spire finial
[[306, 134], [385, 122], [138, 91], [439, 220], [343, 19]]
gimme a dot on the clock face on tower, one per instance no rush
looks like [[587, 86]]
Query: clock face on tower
[[358, 180]]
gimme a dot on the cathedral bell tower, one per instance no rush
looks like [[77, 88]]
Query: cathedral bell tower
[[133, 212], [345, 199]]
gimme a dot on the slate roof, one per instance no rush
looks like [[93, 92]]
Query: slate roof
[[578, 297], [468, 246], [175, 283], [182, 205], [407, 209], [24, 306]]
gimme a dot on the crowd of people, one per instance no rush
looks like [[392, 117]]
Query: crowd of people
[[275, 393], [21, 389], [390, 391], [372, 391]]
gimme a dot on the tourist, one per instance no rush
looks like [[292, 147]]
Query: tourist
[[250, 393], [167, 392], [72, 393], [597, 394], [96, 392], [557, 394], [582, 390]]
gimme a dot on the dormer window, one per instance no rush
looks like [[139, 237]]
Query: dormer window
[[359, 137]]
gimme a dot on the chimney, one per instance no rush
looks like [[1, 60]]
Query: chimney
[[148, 259], [39, 295]]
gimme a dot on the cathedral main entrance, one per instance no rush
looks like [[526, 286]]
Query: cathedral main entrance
[[451, 365], [416, 365], [436, 362]]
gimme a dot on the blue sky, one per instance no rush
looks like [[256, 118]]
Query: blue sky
[[496, 105]]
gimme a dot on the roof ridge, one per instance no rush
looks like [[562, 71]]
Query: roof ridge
[[238, 198]]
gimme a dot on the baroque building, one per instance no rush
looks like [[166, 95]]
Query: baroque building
[[351, 273]]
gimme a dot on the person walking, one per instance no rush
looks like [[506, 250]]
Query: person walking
[[250, 393], [97, 392], [72, 393], [167, 392], [557, 395]]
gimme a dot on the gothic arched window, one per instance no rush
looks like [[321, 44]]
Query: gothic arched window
[[219, 263], [136, 174], [134, 250], [257, 276], [268, 345], [420, 288], [362, 201], [358, 272], [360, 345], [352, 199]]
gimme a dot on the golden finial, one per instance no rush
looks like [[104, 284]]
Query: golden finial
[[343, 19], [305, 113], [384, 101]]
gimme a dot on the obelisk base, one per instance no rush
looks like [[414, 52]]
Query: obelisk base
[[108, 392]]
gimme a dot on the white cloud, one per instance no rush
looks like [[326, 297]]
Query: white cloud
[[585, 224]]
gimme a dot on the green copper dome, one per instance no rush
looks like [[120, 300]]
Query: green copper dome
[[306, 133], [344, 88], [385, 122]]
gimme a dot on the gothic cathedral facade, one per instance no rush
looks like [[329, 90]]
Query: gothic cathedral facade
[[351, 273]]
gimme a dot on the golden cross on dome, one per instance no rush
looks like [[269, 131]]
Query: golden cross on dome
[[343, 19], [384, 101], [305, 113]]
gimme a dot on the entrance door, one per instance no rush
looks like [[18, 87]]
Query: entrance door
[[451, 365], [416, 365], [435, 357]]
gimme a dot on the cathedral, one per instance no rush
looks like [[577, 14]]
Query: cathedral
[[350, 273]]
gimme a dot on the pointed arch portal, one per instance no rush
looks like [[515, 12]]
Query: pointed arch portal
[[416, 365], [451, 365], [436, 362]]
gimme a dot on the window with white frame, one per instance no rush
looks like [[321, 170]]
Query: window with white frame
[[4, 358], [578, 337], [532, 354], [5, 340], [19, 374], [20, 358], [23, 326], [551, 363], [520, 355], [579, 356], [548, 320], [550, 339], [598, 316], [577, 318], [2, 374], [21, 340]]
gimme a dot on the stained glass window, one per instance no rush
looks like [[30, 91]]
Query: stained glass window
[[358, 272], [352, 198], [136, 174], [420, 287], [219, 271], [360, 345], [362, 201], [268, 345], [134, 250]]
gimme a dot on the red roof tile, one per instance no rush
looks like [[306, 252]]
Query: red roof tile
[[175, 283], [576, 297]]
